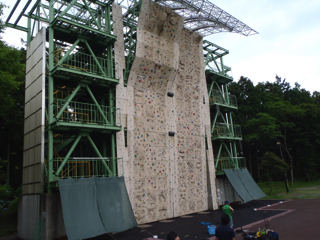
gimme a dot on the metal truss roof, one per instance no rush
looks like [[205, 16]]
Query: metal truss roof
[[204, 17]]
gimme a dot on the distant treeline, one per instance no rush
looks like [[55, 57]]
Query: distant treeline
[[276, 117]]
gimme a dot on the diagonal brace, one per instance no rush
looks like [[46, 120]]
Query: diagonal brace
[[99, 154], [68, 52], [67, 102], [93, 17], [97, 104], [95, 59], [68, 155]]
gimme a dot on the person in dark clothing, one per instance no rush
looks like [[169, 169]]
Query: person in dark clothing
[[225, 232], [173, 236]]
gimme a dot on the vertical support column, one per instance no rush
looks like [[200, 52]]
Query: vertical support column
[[226, 93], [113, 139], [50, 93], [231, 124], [111, 104], [107, 19], [222, 66], [113, 154], [38, 13], [235, 155], [29, 31], [110, 72]]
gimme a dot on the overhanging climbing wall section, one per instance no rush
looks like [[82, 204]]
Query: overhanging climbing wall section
[[167, 175]]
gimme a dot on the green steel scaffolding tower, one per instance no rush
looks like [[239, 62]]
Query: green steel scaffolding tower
[[81, 74], [224, 133]]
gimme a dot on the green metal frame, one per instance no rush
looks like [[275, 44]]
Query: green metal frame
[[80, 56], [224, 133]]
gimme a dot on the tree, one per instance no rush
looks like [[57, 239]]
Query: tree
[[286, 115], [1, 13], [273, 164], [12, 74], [272, 112]]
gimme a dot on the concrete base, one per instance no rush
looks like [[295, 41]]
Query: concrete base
[[225, 191], [40, 215]]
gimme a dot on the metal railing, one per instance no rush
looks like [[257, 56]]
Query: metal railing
[[88, 113], [216, 98], [230, 163], [224, 130], [227, 70], [89, 167], [86, 63]]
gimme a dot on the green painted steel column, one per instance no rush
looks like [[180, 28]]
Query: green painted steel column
[[111, 104], [38, 10], [235, 154], [107, 19], [226, 93], [110, 61], [113, 154], [231, 124], [222, 66], [29, 31], [50, 93]]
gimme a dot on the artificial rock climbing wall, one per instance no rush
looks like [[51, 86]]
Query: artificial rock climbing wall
[[166, 176]]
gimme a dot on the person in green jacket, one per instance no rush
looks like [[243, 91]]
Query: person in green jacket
[[227, 209]]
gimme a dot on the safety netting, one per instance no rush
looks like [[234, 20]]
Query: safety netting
[[244, 184], [95, 206]]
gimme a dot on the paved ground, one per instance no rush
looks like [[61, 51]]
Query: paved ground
[[300, 220], [292, 219], [189, 227]]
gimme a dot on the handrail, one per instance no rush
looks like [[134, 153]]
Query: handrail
[[85, 167], [224, 130], [216, 98], [230, 163], [87, 113], [83, 62]]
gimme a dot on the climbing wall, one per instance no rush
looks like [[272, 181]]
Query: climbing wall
[[166, 174]]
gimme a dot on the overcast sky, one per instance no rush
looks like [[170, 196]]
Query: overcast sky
[[288, 43]]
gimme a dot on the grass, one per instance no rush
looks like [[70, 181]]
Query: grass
[[8, 222], [299, 190]]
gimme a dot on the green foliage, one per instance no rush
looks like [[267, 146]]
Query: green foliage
[[9, 198], [6, 196], [12, 74], [12, 70], [275, 112], [273, 164], [1, 13]]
